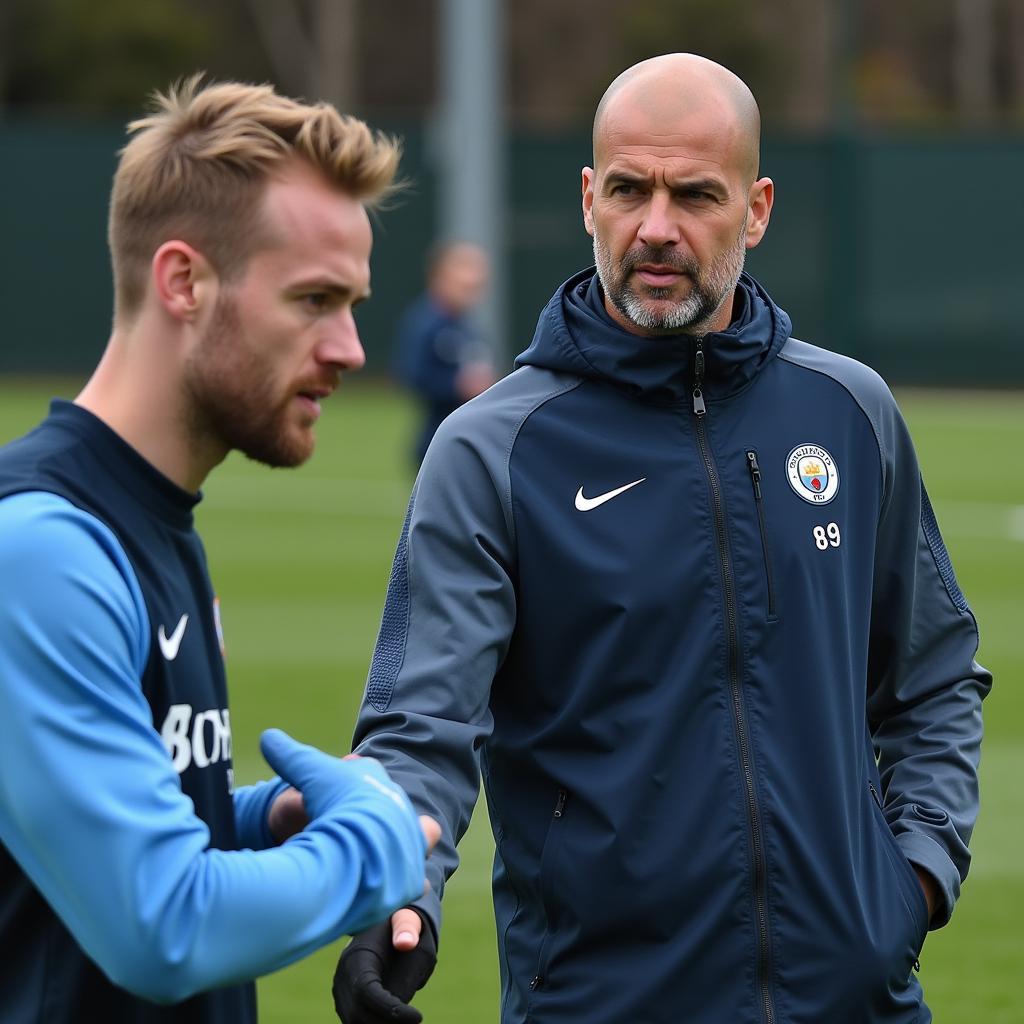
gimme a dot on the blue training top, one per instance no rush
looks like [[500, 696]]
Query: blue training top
[[132, 872]]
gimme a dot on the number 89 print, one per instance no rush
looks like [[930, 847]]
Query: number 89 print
[[826, 537]]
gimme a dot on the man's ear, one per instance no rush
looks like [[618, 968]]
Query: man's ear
[[761, 198], [182, 279], [588, 199]]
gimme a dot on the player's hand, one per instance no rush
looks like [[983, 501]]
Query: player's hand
[[930, 887], [326, 782], [287, 816], [382, 968], [332, 790]]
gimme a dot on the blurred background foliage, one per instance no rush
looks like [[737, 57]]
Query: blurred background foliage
[[894, 133], [920, 63]]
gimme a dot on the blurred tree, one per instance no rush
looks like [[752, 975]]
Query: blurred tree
[[313, 47], [736, 33], [905, 69], [6, 39], [399, 56], [974, 60], [919, 62], [803, 30], [101, 55], [941, 62], [562, 56], [1010, 28]]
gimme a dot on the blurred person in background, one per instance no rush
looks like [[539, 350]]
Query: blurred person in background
[[132, 871], [676, 588], [440, 355]]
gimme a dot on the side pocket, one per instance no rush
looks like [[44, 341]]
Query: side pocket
[[547, 887], [755, 478], [906, 877]]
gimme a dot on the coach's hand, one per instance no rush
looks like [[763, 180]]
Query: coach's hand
[[382, 968]]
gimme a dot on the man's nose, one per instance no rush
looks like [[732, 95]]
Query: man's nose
[[660, 224], [341, 346]]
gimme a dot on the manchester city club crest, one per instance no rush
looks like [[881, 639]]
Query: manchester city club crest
[[812, 473]]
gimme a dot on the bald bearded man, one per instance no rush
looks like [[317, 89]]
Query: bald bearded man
[[676, 588]]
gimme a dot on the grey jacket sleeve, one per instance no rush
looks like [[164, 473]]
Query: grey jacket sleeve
[[924, 688], [448, 618]]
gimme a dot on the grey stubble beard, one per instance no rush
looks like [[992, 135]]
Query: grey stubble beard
[[711, 286]]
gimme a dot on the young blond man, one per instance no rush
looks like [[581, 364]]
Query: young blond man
[[132, 872]]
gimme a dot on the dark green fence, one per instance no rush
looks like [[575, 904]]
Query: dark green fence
[[903, 253]]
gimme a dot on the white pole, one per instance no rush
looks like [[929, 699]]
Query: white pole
[[472, 153], [975, 60]]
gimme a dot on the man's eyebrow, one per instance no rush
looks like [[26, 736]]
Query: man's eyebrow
[[329, 285], [712, 185], [624, 178], [715, 186]]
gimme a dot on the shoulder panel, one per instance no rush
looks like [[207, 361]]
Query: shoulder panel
[[464, 484], [490, 425], [865, 387]]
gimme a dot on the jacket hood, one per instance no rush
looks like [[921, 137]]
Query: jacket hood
[[576, 335]]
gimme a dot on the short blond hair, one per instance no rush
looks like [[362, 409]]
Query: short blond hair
[[196, 167]]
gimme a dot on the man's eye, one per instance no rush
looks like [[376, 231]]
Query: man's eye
[[623, 189], [316, 301]]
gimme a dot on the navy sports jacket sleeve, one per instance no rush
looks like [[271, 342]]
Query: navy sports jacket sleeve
[[925, 689], [92, 808], [448, 619]]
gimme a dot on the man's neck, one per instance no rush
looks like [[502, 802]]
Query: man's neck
[[145, 407]]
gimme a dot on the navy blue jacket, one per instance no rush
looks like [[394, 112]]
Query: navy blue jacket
[[686, 605]]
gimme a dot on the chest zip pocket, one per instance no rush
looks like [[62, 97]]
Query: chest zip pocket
[[755, 479]]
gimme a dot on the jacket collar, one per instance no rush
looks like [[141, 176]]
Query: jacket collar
[[575, 334]]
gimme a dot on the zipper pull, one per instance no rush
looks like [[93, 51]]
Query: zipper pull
[[755, 473], [874, 794], [560, 803], [698, 380]]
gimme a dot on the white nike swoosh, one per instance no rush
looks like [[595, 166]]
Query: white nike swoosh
[[169, 644], [586, 504]]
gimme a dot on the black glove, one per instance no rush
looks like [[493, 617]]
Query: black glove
[[374, 981]]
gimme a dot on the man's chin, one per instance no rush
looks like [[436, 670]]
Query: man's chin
[[285, 451]]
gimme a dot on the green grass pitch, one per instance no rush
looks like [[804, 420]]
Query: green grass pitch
[[300, 560]]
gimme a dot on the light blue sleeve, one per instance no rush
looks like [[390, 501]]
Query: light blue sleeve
[[92, 809]]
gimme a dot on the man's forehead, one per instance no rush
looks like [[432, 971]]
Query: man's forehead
[[673, 167], [629, 147], [297, 206], [314, 235], [660, 117]]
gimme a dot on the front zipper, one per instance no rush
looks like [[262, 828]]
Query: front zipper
[[760, 867], [755, 477]]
